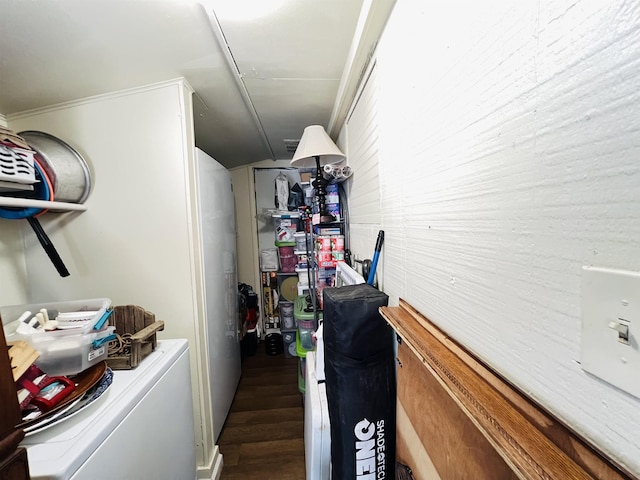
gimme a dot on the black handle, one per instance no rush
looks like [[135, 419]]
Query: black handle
[[379, 241], [48, 247], [366, 267]]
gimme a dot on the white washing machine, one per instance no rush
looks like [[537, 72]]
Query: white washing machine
[[140, 428]]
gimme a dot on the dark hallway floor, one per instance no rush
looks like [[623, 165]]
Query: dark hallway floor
[[263, 437]]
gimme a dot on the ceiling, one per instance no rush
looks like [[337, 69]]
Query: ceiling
[[259, 80]]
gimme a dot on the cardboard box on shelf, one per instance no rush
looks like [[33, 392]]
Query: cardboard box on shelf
[[269, 293]]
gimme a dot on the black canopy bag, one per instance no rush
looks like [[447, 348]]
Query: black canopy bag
[[361, 383]]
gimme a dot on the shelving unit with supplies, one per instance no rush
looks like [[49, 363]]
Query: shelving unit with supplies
[[279, 278], [325, 246]]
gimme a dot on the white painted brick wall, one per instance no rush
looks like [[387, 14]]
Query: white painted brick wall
[[509, 144]]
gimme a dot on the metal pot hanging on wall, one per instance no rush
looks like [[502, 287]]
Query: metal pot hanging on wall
[[62, 175], [65, 167], [42, 191]]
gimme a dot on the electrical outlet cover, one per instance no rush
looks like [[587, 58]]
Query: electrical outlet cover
[[611, 297]]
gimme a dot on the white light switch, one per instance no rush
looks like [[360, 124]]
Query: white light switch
[[611, 327]]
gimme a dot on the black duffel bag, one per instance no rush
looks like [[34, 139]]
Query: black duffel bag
[[361, 384]]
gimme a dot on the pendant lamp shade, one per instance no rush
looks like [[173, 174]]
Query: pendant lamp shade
[[315, 142]]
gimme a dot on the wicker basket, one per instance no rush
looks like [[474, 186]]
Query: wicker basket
[[136, 329]]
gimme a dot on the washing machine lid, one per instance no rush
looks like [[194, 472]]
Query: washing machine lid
[[57, 452]]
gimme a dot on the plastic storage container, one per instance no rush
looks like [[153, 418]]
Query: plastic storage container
[[305, 320], [64, 351], [285, 226], [305, 332], [302, 311], [71, 354], [289, 341], [268, 259], [301, 241], [303, 275], [288, 259], [302, 261], [303, 290], [287, 320], [10, 315], [301, 352]]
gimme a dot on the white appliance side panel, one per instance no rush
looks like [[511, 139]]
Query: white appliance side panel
[[58, 452], [325, 427], [218, 229], [317, 434], [155, 440]]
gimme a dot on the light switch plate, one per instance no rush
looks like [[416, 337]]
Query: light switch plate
[[610, 303]]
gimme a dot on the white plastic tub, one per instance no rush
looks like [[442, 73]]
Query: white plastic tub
[[301, 242], [10, 315], [303, 276], [62, 352], [71, 354]]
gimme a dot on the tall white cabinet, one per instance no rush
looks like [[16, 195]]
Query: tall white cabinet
[[140, 241]]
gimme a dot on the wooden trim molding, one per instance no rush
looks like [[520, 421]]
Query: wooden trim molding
[[478, 425]]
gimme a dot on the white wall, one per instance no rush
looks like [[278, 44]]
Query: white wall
[[508, 160], [13, 270], [13, 273], [360, 138], [135, 243]]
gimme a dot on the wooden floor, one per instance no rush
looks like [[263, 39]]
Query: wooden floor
[[263, 437]]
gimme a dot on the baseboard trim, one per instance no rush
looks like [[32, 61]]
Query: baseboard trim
[[213, 471]]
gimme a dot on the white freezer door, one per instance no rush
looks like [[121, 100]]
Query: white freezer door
[[218, 235]]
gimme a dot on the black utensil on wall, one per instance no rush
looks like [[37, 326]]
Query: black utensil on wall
[[48, 247], [42, 191]]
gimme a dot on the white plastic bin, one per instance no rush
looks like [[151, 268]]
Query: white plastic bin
[[63, 351], [71, 354], [10, 315], [301, 241], [285, 226]]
